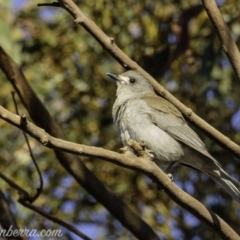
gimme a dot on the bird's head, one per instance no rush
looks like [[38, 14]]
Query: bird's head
[[131, 84]]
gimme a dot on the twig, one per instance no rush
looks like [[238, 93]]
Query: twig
[[54, 219], [25, 201], [53, 4], [8, 221], [14, 185], [132, 162], [24, 122], [228, 44]]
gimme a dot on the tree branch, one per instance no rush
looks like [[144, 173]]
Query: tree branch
[[71, 163], [40, 188], [7, 220], [109, 45], [26, 201], [40, 211], [128, 160], [32, 103], [228, 44]]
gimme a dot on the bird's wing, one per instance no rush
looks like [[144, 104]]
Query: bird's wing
[[169, 119]]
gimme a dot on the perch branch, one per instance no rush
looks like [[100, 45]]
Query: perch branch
[[128, 160], [40, 211], [71, 163]]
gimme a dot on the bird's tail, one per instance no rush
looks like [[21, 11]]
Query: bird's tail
[[228, 183]]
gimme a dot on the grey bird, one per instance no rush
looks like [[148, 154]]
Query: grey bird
[[142, 115]]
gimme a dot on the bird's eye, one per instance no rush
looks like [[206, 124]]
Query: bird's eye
[[132, 80]]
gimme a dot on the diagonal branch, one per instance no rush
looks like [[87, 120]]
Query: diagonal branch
[[128, 160], [40, 211], [40, 188], [71, 163], [228, 44], [109, 45], [25, 200], [7, 220]]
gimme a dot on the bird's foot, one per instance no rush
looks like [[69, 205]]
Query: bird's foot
[[139, 149], [127, 151], [170, 176], [167, 171]]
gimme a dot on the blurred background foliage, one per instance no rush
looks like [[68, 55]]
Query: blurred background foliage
[[172, 40]]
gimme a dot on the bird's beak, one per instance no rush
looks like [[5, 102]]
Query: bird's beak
[[113, 76]]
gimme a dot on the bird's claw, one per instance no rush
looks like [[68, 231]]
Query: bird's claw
[[139, 149], [170, 176]]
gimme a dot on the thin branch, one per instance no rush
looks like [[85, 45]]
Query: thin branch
[[228, 44], [7, 220], [54, 219], [14, 185], [71, 163], [128, 160], [109, 45], [25, 201], [40, 188], [53, 4]]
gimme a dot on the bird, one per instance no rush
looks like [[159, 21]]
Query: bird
[[142, 115]]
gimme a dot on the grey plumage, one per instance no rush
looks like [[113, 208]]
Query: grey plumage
[[144, 116]]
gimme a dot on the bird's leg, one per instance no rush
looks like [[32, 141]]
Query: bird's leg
[[167, 170], [147, 152]]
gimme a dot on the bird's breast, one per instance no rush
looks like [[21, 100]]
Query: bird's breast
[[133, 119]]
